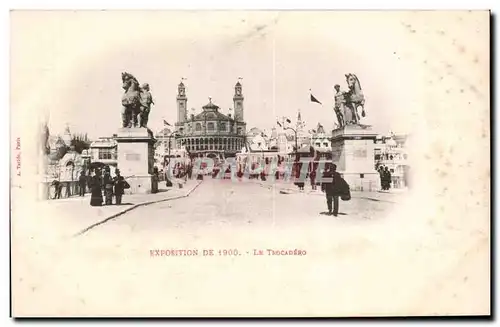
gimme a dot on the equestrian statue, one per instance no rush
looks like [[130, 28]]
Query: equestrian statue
[[347, 103], [136, 102]]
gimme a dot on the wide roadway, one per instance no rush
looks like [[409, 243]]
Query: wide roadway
[[366, 261]]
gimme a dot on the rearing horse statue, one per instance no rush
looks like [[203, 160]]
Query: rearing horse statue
[[131, 100], [355, 97]]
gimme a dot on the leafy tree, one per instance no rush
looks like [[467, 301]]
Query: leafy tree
[[45, 139], [80, 142]]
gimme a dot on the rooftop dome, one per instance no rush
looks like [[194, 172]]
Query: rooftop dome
[[210, 106], [164, 131], [320, 129]]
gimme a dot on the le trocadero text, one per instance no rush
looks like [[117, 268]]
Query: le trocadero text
[[224, 252]]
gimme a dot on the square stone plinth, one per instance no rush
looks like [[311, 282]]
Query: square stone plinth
[[353, 151], [136, 157]]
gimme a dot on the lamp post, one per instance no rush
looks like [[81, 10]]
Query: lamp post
[[170, 140], [169, 159]]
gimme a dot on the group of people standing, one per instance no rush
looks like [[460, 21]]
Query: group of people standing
[[181, 170], [385, 177], [312, 170], [112, 186]]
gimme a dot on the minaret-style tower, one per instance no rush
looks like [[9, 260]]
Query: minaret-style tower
[[238, 102], [181, 103], [300, 124]]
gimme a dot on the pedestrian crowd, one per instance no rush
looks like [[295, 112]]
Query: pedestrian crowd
[[180, 172], [102, 182], [385, 177]]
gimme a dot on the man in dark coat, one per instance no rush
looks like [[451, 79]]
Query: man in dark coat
[[58, 189], [313, 167], [297, 169], [388, 178], [332, 184], [120, 186], [154, 185], [190, 170], [108, 184], [82, 182]]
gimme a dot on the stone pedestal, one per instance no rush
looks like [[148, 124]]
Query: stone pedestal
[[353, 153], [136, 158]]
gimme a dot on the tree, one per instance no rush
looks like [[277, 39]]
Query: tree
[[45, 139], [80, 142]]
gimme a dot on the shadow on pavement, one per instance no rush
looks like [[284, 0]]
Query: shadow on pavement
[[326, 213], [371, 199]]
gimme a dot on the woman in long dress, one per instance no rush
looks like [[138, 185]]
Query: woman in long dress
[[297, 168], [96, 190]]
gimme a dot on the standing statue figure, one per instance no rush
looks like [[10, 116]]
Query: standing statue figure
[[131, 100], [354, 99], [339, 105], [146, 102]]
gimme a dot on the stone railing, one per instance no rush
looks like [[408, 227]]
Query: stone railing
[[69, 189]]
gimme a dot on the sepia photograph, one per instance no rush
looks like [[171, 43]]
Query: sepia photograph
[[231, 163]]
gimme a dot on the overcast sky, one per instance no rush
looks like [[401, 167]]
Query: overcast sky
[[73, 61]]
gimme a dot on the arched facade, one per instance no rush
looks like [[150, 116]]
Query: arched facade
[[210, 132]]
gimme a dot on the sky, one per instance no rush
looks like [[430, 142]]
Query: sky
[[66, 66]]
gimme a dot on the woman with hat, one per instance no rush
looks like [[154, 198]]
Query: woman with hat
[[96, 189]]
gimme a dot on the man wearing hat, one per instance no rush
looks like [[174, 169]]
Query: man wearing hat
[[58, 189], [82, 183], [332, 186], [120, 186]]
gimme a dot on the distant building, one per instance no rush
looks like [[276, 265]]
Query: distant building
[[285, 139], [273, 140], [104, 151], [303, 137], [254, 131], [391, 152], [320, 139], [164, 142], [286, 142], [210, 133], [57, 147]]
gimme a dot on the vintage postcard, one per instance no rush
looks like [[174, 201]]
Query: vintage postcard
[[250, 163]]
